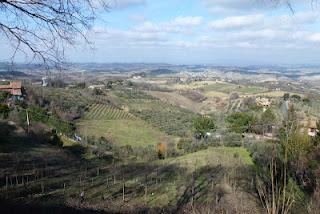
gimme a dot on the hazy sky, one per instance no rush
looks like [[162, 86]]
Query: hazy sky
[[224, 32]]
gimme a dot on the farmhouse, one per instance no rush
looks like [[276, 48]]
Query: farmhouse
[[264, 102], [97, 87], [14, 88], [310, 126]]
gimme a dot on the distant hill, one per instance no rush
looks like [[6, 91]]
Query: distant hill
[[161, 71], [10, 74]]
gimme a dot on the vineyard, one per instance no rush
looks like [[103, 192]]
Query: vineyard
[[107, 112], [234, 105]]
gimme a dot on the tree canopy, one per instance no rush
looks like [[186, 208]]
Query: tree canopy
[[202, 125], [239, 122]]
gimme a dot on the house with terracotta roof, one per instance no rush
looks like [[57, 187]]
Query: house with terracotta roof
[[14, 88], [309, 126]]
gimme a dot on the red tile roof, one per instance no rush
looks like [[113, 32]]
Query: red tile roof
[[13, 88]]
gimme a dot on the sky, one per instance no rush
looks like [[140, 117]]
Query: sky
[[217, 32]]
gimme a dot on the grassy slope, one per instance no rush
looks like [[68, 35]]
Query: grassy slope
[[168, 181], [123, 132]]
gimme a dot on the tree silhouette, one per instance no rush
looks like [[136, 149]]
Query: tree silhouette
[[45, 28]]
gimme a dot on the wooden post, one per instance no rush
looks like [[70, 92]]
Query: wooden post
[[123, 188], [211, 183], [6, 182], [192, 190], [157, 177], [28, 121], [145, 193], [42, 187]]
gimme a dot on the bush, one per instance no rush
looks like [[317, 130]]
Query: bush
[[296, 97], [4, 110], [4, 95], [185, 144], [306, 100], [232, 139], [81, 85], [239, 122], [172, 150], [286, 96], [261, 152], [202, 125]]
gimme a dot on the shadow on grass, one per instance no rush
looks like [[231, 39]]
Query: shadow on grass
[[198, 185], [7, 207]]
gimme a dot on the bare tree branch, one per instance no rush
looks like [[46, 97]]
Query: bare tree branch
[[45, 28]]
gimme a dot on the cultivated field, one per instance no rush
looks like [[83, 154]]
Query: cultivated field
[[106, 112]]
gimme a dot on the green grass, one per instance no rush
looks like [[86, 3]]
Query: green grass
[[123, 132], [229, 87], [167, 180], [212, 154], [168, 118], [220, 87], [251, 90]]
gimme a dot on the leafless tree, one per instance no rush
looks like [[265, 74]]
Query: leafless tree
[[290, 3], [45, 28]]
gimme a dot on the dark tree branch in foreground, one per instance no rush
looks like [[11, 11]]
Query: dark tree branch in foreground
[[46, 27], [290, 3]]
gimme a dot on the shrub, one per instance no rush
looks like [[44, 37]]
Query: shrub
[[161, 150], [232, 139], [306, 100], [184, 144], [3, 96], [239, 122], [296, 97], [4, 110], [202, 125], [286, 96]]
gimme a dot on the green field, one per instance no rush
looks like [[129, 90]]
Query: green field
[[220, 87], [229, 87], [252, 90], [123, 132]]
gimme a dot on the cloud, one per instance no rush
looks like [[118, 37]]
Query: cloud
[[187, 21], [251, 6], [180, 24], [233, 6], [122, 4], [137, 18], [314, 37], [260, 21], [236, 22]]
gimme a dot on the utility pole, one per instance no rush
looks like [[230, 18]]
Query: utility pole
[[28, 121]]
